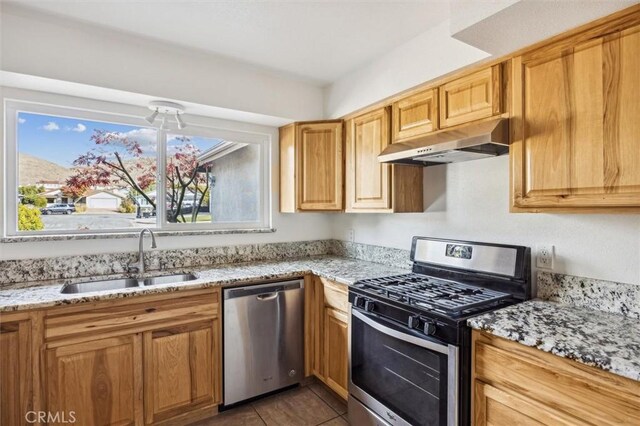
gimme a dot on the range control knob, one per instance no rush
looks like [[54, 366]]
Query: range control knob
[[413, 321], [368, 305], [357, 301], [429, 328]]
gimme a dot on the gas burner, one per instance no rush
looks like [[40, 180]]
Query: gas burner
[[449, 297]]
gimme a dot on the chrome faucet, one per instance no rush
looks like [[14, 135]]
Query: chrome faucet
[[138, 267]]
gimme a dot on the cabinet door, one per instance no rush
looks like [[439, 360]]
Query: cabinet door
[[415, 115], [336, 355], [368, 183], [493, 406], [16, 380], [319, 166], [576, 137], [471, 97], [182, 369], [97, 382]]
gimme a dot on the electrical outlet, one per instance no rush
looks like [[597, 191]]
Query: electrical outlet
[[351, 235], [544, 256]]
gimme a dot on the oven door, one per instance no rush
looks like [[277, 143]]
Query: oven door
[[400, 375]]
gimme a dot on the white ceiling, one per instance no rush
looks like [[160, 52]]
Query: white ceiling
[[317, 40]]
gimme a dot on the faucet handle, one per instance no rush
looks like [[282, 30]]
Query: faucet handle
[[133, 269]]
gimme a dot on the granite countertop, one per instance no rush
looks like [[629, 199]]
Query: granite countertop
[[16, 297], [604, 340]]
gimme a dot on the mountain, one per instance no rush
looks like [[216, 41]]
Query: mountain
[[33, 169]]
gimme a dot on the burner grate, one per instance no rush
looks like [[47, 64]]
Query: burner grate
[[435, 293]]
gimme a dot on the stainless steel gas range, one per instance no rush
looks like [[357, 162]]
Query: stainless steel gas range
[[409, 344]]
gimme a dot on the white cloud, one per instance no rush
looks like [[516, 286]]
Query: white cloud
[[79, 128], [51, 126], [22, 120], [147, 138]]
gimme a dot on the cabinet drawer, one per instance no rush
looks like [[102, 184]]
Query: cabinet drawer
[[563, 385], [336, 295], [111, 320]]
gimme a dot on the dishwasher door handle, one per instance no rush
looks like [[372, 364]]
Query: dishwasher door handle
[[267, 296]]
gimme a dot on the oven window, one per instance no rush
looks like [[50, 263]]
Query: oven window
[[408, 379]]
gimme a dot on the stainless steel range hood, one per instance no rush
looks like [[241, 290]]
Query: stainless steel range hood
[[488, 138]]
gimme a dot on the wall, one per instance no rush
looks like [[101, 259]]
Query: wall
[[427, 56], [235, 193], [288, 226], [61, 49], [470, 201]]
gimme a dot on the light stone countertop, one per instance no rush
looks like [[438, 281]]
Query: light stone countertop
[[32, 295], [604, 340]]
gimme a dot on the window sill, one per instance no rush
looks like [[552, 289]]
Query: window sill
[[116, 235]]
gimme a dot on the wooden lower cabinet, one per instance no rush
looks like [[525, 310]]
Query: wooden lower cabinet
[[153, 360], [16, 371], [327, 333], [336, 355], [181, 369], [97, 382], [494, 406], [515, 384]]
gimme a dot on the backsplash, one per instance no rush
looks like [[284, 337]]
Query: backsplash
[[54, 268], [590, 293], [371, 253]]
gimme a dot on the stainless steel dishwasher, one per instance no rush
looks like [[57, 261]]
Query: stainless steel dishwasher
[[263, 338]]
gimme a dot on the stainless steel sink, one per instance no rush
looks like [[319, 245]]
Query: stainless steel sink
[[116, 284], [168, 279], [99, 285]]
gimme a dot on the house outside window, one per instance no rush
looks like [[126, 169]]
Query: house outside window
[[72, 171]]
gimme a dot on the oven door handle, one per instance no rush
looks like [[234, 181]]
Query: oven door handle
[[428, 344]]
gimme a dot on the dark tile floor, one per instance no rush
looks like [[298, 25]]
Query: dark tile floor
[[312, 405]]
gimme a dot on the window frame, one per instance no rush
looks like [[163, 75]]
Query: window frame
[[12, 107]]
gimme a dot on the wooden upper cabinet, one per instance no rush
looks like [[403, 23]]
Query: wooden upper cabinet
[[182, 369], [311, 167], [372, 186], [472, 97], [16, 372], [99, 381], [576, 126], [415, 115], [368, 184]]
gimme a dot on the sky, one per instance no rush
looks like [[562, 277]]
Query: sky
[[61, 140]]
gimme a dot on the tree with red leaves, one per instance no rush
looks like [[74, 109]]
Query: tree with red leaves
[[116, 156], [184, 174]]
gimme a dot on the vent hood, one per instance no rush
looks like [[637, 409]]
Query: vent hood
[[488, 138]]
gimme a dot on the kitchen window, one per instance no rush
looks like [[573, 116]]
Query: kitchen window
[[72, 171]]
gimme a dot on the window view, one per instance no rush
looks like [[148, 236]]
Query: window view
[[211, 180], [78, 175], [83, 175]]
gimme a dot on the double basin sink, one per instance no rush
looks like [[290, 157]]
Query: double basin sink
[[105, 285]]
